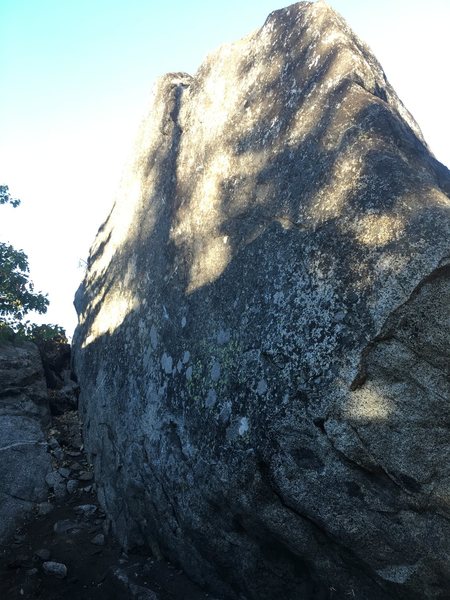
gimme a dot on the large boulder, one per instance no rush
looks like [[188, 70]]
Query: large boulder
[[263, 328], [24, 417]]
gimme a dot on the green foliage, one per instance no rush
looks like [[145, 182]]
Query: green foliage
[[17, 295], [32, 332], [5, 196], [45, 333]]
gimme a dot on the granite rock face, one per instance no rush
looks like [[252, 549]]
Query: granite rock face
[[263, 330], [62, 389], [24, 415]]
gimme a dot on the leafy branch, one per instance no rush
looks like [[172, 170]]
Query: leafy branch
[[17, 294]]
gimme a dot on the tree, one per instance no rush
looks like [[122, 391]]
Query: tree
[[5, 196], [17, 295]]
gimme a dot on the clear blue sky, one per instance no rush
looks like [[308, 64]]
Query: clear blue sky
[[76, 78]]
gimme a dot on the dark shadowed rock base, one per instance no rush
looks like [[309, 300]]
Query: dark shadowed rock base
[[65, 550]]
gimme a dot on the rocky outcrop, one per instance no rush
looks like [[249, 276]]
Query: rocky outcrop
[[62, 388], [56, 358], [24, 415], [263, 328]]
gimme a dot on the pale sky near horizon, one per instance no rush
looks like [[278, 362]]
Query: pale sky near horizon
[[76, 79]]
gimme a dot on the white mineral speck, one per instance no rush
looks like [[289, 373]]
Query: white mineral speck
[[223, 337], [243, 426], [211, 398], [278, 298], [262, 387], [166, 363], [215, 371]]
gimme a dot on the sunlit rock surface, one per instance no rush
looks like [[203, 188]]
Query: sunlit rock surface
[[263, 347], [24, 414]]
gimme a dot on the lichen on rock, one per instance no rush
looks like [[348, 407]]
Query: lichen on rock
[[263, 329]]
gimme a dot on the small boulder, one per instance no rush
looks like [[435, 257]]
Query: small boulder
[[86, 510], [53, 479], [56, 569], [64, 472], [72, 486]]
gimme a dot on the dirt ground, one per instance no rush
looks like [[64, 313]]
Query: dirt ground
[[72, 531]]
